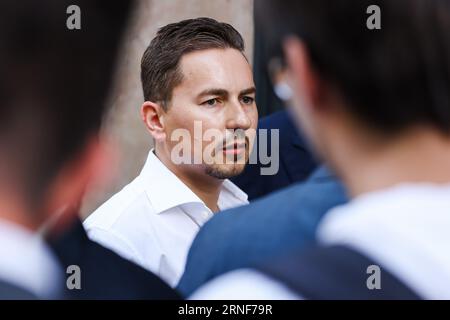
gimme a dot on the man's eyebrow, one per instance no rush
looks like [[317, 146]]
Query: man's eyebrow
[[247, 91], [213, 92]]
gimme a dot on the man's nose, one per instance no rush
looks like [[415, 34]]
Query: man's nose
[[238, 118]]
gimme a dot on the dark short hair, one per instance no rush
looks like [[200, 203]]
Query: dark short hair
[[392, 78], [53, 81], [160, 72]]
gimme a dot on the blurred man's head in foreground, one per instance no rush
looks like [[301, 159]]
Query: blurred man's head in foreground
[[359, 89], [53, 84]]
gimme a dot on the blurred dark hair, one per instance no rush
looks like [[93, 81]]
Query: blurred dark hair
[[392, 78], [53, 81], [160, 72]]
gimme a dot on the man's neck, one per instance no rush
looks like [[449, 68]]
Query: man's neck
[[207, 188], [13, 212], [422, 156]]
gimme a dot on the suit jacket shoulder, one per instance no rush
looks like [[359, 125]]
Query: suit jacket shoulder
[[104, 274], [9, 291]]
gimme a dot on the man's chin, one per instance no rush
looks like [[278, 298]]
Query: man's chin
[[225, 171]]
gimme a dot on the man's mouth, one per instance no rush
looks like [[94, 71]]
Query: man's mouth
[[236, 148]]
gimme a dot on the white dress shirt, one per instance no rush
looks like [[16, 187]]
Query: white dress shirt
[[153, 220], [406, 229], [27, 262]]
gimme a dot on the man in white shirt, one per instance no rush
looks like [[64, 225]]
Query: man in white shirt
[[375, 104], [53, 84], [200, 96]]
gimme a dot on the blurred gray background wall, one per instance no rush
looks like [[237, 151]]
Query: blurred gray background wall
[[122, 127]]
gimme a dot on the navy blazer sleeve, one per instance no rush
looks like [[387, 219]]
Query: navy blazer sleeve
[[106, 275]]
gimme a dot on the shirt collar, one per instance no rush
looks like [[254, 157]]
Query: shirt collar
[[231, 196], [404, 228], [165, 190], [27, 262]]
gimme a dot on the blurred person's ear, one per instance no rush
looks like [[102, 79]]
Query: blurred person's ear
[[153, 116], [304, 79], [314, 101], [306, 88], [62, 202]]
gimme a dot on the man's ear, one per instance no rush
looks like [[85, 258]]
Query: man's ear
[[62, 202], [305, 78], [153, 116]]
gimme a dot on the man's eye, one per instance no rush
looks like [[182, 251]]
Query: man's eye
[[247, 100], [210, 102]]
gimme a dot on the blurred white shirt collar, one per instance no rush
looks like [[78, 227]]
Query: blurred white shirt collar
[[405, 228], [27, 262]]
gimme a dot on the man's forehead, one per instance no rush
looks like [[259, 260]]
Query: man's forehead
[[213, 56], [216, 68]]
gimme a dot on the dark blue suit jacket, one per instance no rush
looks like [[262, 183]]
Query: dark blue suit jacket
[[10, 291], [268, 227], [104, 274], [296, 162]]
